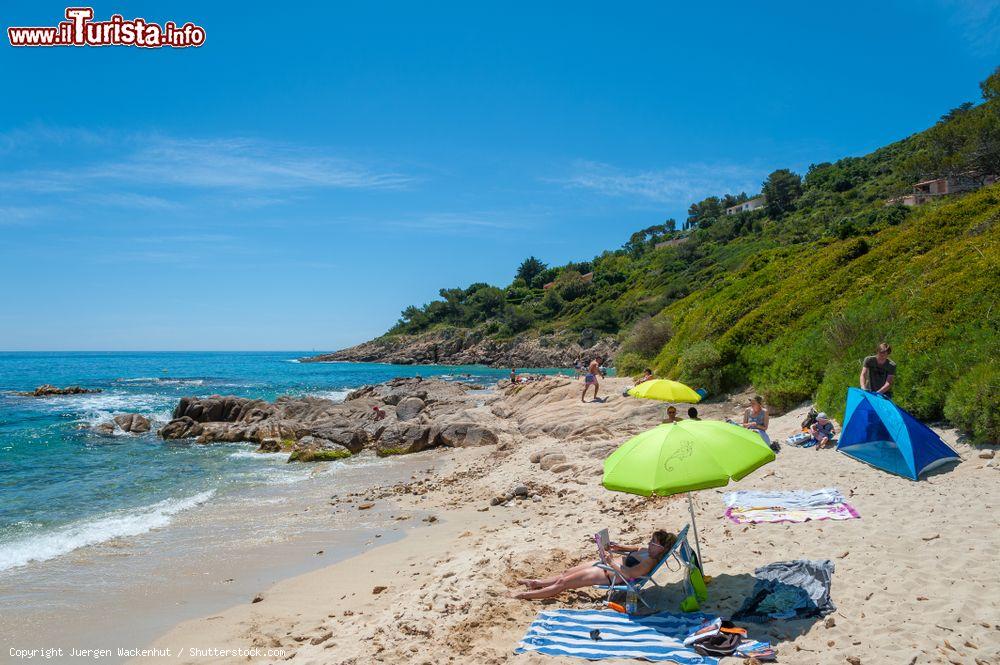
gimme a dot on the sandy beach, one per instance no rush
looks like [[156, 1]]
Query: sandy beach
[[915, 578]]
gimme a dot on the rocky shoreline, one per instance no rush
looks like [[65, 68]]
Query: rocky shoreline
[[401, 416], [48, 390], [474, 347]]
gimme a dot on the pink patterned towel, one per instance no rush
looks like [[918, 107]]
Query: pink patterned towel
[[773, 514]]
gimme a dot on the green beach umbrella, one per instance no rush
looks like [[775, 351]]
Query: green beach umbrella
[[684, 457], [665, 390]]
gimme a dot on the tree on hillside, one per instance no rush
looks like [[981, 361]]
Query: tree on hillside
[[529, 269], [642, 240], [701, 215], [991, 86], [966, 142], [782, 188]]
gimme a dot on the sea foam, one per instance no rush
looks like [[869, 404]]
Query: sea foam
[[73, 536]]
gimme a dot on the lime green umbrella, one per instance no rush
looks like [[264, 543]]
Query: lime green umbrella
[[665, 390], [684, 457]]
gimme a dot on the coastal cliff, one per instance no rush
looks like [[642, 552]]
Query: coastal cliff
[[472, 347]]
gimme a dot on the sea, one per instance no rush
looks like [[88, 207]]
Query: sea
[[86, 517]]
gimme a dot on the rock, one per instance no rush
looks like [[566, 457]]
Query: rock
[[409, 408], [520, 490], [379, 589], [562, 468], [536, 457], [830, 622], [269, 446], [365, 506], [550, 460], [464, 435], [105, 429], [536, 498], [402, 438], [181, 428], [854, 660], [496, 501], [319, 639], [430, 519], [257, 598], [987, 454], [327, 453], [48, 390], [134, 423], [351, 437]]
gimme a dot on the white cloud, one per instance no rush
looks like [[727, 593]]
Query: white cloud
[[672, 184], [979, 24], [230, 164]]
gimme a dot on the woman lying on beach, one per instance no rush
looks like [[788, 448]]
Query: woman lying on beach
[[634, 562]]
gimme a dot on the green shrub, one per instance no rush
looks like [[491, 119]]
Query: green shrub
[[648, 336], [630, 364], [973, 404], [701, 367]]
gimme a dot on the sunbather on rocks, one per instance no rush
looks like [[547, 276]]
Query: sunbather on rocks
[[629, 562]]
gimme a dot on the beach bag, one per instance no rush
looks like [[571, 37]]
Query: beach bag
[[720, 640], [810, 418]]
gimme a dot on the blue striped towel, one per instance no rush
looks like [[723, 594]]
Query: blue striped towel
[[655, 637]]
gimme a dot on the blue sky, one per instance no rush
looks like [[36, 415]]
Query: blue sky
[[302, 177]]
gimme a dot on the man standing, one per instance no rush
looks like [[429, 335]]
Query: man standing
[[878, 373], [592, 373]]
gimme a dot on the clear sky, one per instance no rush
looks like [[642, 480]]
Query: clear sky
[[317, 166]]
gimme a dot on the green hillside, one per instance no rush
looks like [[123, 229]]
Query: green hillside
[[790, 297]]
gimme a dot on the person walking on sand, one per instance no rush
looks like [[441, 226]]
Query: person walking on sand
[[878, 373], [591, 379]]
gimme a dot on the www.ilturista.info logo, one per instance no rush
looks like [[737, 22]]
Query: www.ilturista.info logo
[[81, 30]]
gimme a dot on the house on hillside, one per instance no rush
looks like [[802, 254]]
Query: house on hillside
[[747, 206], [928, 190]]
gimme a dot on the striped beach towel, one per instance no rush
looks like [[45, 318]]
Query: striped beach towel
[[656, 637]]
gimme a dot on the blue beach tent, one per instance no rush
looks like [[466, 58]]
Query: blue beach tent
[[879, 433]]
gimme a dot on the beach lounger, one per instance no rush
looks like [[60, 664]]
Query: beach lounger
[[680, 552]]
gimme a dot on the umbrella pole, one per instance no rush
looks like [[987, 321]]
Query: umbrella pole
[[694, 525]]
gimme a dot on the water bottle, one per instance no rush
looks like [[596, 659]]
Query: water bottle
[[631, 602]]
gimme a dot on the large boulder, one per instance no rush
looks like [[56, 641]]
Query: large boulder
[[464, 434], [181, 428], [105, 428], [334, 452], [315, 449], [409, 408], [403, 438], [135, 423], [222, 409], [346, 436]]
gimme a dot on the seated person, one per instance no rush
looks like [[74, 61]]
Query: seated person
[[755, 418], [632, 562], [821, 431], [693, 414], [647, 375], [672, 416]]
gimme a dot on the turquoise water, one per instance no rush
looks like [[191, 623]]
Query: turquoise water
[[63, 487]]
